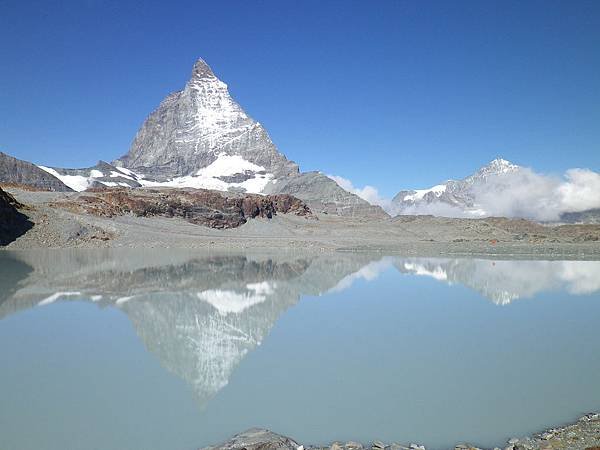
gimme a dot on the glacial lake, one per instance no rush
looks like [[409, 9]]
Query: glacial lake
[[175, 350]]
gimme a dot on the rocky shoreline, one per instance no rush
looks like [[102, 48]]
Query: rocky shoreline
[[584, 434]]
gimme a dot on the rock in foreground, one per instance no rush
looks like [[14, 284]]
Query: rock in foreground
[[12, 222], [213, 209], [257, 439]]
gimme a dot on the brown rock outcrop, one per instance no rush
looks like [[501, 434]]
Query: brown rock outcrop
[[214, 209]]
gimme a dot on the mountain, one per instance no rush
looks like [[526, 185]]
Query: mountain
[[200, 137], [459, 194], [16, 171], [198, 126]]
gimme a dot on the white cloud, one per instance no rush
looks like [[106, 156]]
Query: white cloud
[[368, 193], [528, 194]]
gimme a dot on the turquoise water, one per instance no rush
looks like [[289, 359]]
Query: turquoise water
[[177, 350]]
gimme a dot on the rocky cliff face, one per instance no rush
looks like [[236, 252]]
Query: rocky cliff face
[[16, 171], [12, 222]]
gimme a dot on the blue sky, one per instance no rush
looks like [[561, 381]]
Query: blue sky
[[389, 93]]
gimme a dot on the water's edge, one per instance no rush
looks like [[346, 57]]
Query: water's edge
[[583, 434]]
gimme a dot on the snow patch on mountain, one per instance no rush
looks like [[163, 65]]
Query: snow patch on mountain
[[81, 182], [232, 302], [76, 182], [218, 174], [420, 193], [226, 172]]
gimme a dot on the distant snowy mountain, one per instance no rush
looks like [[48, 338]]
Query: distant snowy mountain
[[200, 137], [458, 195]]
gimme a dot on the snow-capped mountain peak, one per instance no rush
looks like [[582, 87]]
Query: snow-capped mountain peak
[[496, 167], [456, 194]]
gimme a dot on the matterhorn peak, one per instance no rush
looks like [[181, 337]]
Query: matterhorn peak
[[202, 70]]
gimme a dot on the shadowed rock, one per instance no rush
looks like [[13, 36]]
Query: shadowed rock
[[13, 223]]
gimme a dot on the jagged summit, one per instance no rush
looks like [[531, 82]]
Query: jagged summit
[[497, 166], [190, 130], [202, 70]]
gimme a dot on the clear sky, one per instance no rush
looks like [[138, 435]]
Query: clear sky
[[389, 93]]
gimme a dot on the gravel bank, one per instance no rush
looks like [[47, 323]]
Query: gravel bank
[[57, 227]]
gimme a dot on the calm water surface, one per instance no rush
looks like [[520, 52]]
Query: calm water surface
[[175, 350]]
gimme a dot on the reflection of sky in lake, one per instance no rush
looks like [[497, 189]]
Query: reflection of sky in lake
[[185, 350]]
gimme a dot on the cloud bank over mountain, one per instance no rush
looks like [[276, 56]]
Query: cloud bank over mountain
[[520, 192]]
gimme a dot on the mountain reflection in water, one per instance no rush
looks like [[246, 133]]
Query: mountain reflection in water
[[201, 314]]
